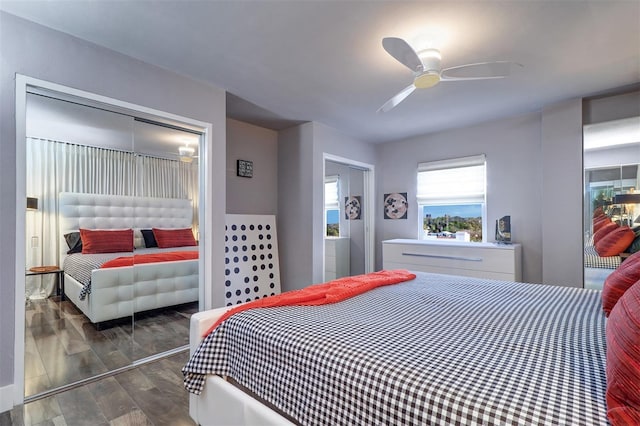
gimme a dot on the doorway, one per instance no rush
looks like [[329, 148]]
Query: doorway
[[348, 217]]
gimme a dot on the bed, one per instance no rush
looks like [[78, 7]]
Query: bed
[[597, 268], [120, 292], [438, 349]]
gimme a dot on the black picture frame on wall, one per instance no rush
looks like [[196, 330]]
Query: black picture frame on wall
[[245, 168]]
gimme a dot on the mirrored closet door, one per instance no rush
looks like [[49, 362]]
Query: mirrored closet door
[[112, 239], [345, 225], [611, 195]]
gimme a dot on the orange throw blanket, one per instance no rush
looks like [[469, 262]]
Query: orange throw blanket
[[322, 294], [150, 258]]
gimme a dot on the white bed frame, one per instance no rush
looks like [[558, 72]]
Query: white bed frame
[[221, 403], [120, 292]]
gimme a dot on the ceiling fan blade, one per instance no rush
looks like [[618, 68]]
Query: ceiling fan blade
[[393, 102], [479, 71], [400, 49]]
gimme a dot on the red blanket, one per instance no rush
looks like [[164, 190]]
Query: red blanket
[[167, 256], [322, 294]]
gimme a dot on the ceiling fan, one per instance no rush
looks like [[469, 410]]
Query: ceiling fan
[[187, 153], [427, 71]]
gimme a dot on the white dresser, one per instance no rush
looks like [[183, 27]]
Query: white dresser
[[336, 258], [480, 260]]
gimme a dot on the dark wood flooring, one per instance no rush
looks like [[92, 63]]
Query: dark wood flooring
[[151, 394], [62, 346]]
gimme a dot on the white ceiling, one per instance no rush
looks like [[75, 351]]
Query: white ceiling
[[323, 60]]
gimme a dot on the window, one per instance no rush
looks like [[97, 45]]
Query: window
[[331, 206], [451, 198]]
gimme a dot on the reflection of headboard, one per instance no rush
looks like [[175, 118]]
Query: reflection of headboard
[[98, 211]]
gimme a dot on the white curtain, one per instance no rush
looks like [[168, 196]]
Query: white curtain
[[160, 177], [54, 167]]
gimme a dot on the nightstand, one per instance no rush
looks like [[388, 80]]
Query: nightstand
[[44, 270]]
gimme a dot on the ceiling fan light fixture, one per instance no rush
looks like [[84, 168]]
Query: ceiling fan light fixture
[[427, 80], [430, 59], [186, 151]]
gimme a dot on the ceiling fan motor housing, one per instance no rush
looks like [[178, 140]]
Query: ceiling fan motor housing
[[430, 74]]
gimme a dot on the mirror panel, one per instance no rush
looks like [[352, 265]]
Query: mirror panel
[[611, 190], [344, 220], [166, 293], [71, 148]]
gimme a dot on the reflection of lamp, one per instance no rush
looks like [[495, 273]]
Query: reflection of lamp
[[32, 206], [633, 198], [626, 199]]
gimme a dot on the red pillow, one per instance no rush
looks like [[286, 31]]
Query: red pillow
[[106, 241], [615, 242], [623, 359], [598, 212], [174, 237], [619, 281], [600, 222], [604, 231]]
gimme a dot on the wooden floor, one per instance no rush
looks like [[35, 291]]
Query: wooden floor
[[151, 394], [62, 346]]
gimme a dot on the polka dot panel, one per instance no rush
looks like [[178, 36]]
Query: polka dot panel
[[251, 258]]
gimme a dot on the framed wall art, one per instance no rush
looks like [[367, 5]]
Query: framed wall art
[[395, 205], [353, 207]]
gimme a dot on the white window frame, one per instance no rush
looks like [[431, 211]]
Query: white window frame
[[477, 196], [332, 204]]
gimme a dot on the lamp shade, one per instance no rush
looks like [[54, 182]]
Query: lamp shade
[[32, 203], [626, 199]]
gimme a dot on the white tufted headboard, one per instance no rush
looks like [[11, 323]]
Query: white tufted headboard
[[98, 211]]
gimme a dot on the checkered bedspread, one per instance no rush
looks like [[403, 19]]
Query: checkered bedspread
[[593, 260], [79, 266], [436, 350]]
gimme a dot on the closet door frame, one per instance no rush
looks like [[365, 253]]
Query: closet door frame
[[207, 267]]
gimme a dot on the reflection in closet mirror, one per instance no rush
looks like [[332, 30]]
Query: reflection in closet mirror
[[120, 179], [611, 195], [345, 240]]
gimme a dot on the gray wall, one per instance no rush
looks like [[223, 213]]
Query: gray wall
[[295, 206], [257, 195], [42, 53], [561, 203], [514, 180], [300, 197], [612, 107]]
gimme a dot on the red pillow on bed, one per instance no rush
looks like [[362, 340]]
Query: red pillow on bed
[[619, 281], [623, 359], [174, 237], [106, 241], [600, 222], [604, 230], [615, 242], [598, 212]]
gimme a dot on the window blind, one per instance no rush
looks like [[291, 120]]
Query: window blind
[[459, 180], [331, 200]]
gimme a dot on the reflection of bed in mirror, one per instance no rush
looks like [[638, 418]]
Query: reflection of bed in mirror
[[596, 267], [104, 294]]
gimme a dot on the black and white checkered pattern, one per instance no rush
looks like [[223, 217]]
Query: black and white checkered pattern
[[436, 350], [593, 260], [79, 266]]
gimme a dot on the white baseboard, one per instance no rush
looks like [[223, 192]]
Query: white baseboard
[[6, 398]]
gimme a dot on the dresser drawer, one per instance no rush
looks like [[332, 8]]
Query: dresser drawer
[[476, 260]]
